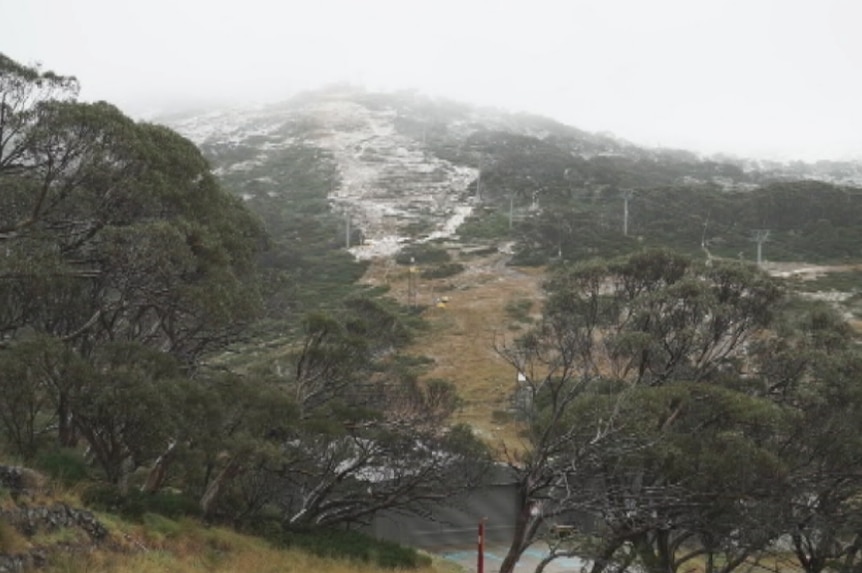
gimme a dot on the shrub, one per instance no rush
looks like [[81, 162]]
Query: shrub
[[134, 505], [442, 271], [66, 466], [422, 255], [494, 225], [162, 526], [356, 546]]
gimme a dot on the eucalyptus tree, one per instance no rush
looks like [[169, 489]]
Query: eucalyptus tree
[[357, 434], [112, 233], [635, 381], [119, 229], [813, 368]]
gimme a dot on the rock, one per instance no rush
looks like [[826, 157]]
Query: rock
[[30, 520], [20, 480]]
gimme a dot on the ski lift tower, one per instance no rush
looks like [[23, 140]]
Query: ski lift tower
[[412, 275]]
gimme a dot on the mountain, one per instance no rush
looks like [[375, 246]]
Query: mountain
[[344, 167], [466, 192], [401, 166]]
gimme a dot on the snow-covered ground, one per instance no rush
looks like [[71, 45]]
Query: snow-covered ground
[[387, 179]]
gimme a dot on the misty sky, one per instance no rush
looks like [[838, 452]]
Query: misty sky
[[780, 78]]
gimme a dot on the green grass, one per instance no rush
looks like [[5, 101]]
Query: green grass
[[136, 505], [355, 546], [67, 466]]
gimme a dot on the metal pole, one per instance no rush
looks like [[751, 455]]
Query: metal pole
[[480, 559]]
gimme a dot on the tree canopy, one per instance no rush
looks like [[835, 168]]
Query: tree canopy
[[681, 413], [126, 271]]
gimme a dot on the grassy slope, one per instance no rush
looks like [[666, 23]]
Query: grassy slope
[[154, 543], [462, 335], [164, 545]]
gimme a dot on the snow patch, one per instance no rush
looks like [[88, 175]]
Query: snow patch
[[388, 181]]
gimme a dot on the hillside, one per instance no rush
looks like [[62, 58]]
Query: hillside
[[344, 171], [287, 346], [44, 525], [399, 167]]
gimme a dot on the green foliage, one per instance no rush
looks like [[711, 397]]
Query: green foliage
[[487, 224], [356, 546], [305, 265], [422, 254], [127, 267], [644, 402], [136, 505], [65, 465], [125, 264], [807, 220], [442, 271], [124, 409], [28, 407]]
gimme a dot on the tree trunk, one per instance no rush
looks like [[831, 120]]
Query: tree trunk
[[66, 434], [231, 470], [653, 553], [159, 471], [602, 562], [525, 528]]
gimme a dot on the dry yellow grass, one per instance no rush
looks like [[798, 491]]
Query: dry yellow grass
[[189, 547], [254, 560], [463, 334], [12, 542]]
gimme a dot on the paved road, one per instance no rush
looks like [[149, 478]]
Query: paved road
[[466, 557]]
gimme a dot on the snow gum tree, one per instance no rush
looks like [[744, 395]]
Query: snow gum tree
[[125, 268], [645, 419], [117, 246]]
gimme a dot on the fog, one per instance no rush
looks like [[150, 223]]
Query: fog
[[765, 78]]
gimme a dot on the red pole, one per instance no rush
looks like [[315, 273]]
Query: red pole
[[480, 563]]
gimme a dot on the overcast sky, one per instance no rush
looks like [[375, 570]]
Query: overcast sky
[[779, 78]]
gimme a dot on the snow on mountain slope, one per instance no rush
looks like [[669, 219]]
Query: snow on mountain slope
[[387, 179]]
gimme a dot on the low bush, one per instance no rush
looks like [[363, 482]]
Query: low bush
[[442, 271], [135, 504], [65, 465], [494, 225], [423, 254], [356, 546]]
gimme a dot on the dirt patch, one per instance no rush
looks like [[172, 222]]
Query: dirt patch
[[804, 271]]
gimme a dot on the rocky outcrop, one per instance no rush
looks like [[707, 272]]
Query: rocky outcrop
[[23, 562], [28, 518], [31, 520], [20, 481]]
